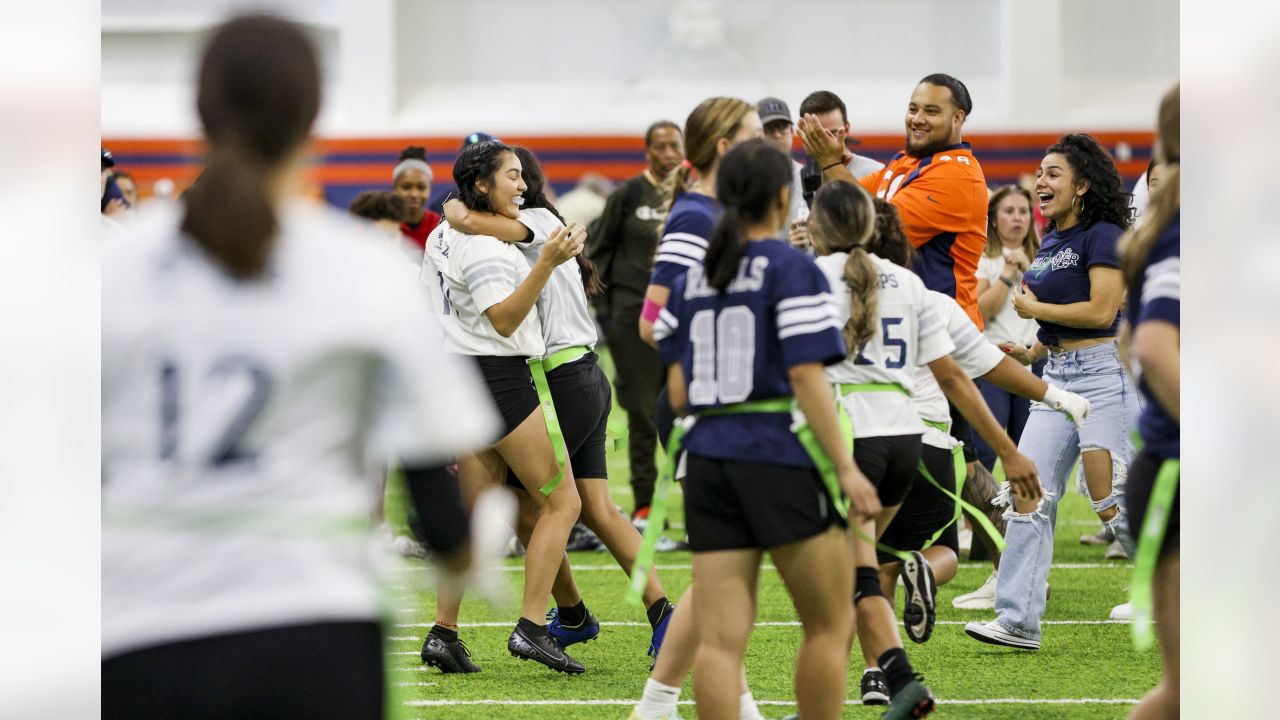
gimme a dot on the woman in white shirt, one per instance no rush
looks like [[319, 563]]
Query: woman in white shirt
[[258, 357], [487, 291], [1012, 242]]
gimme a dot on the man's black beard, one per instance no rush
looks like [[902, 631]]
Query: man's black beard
[[927, 150]]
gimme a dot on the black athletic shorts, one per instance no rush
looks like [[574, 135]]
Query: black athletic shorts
[[583, 399], [511, 386], [321, 671], [963, 431], [925, 509], [732, 505], [1137, 498], [889, 462]]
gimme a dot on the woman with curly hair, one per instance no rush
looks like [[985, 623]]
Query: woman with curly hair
[[1073, 290]]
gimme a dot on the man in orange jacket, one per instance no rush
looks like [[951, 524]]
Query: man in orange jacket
[[935, 183]]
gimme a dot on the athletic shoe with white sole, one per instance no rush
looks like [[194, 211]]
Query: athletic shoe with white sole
[[912, 701], [875, 688], [1115, 551], [542, 648], [1102, 537], [984, 598], [1122, 612], [919, 611], [993, 633]]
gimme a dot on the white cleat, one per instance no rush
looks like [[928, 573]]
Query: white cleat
[[1122, 612]]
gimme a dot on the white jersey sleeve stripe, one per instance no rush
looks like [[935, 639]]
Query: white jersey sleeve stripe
[[686, 237], [806, 301], [678, 260], [492, 276], [1163, 280], [806, 315], [487, 269], [809, 328], [680, 248], [666, 325]]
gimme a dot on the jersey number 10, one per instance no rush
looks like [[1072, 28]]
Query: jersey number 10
[[724, 354]]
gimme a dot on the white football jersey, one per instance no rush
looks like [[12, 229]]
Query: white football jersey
[[975, 355], [908, 334], [562, 306], [472, 273], [239, 420]]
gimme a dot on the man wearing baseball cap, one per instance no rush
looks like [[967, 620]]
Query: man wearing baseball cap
[[779, 131]]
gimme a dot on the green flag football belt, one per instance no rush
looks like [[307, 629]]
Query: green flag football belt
[[808, 440], [958, 466], [615, 431], [1147, 555]]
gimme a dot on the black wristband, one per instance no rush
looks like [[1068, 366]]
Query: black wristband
[[1006, 281], [838, 162]]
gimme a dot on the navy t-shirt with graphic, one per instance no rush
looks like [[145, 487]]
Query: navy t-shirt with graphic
[[684, 237], [737, 346], [1158, 296], [1060, 275]]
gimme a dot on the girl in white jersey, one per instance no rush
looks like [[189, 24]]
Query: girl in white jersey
[[487, 291], [925, 524], [258, 358], [582, 397], [890, 329]]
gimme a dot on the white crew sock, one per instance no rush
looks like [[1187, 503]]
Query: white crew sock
[[747, 709], [658, 700]]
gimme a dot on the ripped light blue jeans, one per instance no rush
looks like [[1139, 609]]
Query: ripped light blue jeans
[[1054, 445]]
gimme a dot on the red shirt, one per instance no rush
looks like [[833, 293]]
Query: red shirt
[[942, 201], [420, 233]]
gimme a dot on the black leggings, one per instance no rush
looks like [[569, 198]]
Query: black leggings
[[308, 672]]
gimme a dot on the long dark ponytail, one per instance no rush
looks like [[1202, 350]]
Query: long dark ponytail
[[751, 178], [536, 197], [259, 93]]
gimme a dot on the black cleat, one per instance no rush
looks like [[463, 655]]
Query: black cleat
[[912, 701], [875, 688], [919, 611], [543, 648], [450, 657]]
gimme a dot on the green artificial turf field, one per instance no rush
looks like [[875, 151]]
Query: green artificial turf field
[[1087, 667]]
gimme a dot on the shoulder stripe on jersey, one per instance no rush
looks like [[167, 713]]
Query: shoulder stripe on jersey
[[1163, 280], [686, 237], [484, 277], [801, 315], [806, 301], [683, 248], [491, 280], [678, 260], [486, 268], [809, 328]]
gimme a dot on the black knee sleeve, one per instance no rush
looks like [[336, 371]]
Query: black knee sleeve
[[866, 583], [441, 523]]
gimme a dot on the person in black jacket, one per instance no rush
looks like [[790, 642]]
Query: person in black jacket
[[622, 242]]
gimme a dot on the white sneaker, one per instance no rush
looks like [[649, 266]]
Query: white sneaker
[[1115, 551], [993, 633], [1122, 612], [984, 598], [408, 547]]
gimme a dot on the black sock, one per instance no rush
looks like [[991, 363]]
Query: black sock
[[897, 669], [531, 628], [657, 610], [572, 617], [444, 633]]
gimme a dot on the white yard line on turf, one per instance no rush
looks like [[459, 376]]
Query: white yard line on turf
[[972, 701], [772, 623]]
